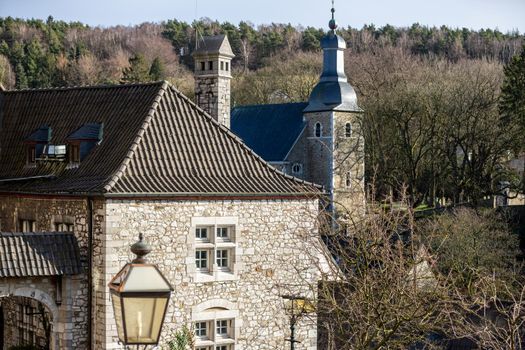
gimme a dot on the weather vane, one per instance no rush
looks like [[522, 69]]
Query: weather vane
[[333, 24]]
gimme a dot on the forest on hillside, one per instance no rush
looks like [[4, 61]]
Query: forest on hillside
[[435, 124]]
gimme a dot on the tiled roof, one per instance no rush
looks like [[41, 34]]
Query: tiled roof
[[270, 130], [156, 141], [90, 131], [39, 254]]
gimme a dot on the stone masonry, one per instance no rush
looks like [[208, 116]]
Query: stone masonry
[[276, 255]]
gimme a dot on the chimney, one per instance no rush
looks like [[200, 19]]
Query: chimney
[[213, 75]]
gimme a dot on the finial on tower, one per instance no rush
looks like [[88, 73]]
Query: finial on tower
[[333, 24]]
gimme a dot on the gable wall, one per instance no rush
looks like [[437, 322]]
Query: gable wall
[[277, 254]]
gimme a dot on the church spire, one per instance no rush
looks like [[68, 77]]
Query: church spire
[[333, 93]]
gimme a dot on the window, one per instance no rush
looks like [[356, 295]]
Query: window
[[297, 169], [222, 65], [203, 66], [63, 227], [215, 334], [215, 249], [348, 130], [210, 65], [227, 66], [74, 153], [318, 130], [201, 233], [201, 260], [348, 179], [27, 225], [55, 151]]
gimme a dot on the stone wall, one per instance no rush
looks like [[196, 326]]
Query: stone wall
[[277, 254], [46, 212]]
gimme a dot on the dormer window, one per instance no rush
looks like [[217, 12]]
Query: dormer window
[[203, 66], [55, 151], [348, 130], [36, 143], [210, 65], [318, 132], [83, 140]]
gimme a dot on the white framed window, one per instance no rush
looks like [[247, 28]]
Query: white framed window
[[26, 225], [348, 130], [215, 249], [63, 227], [297, 169], [318, 130], [215, 328]]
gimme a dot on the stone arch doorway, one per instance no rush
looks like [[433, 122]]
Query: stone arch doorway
[[30, 317]]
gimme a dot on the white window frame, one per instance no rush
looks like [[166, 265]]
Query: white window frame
[[222, 235], [211, 312], [300, 171], [27, 225]]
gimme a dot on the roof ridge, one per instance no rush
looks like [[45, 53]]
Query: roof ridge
[[138, 137], [269, 104], [239, 141], [85, 87]]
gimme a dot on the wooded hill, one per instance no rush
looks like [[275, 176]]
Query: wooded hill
[[36, 53]]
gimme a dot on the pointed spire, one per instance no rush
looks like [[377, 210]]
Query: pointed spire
[[333, 24]]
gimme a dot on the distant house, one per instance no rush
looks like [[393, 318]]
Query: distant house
[[84, 170]]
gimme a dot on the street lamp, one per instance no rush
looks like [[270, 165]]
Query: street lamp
[[297, 306], [140, 295]]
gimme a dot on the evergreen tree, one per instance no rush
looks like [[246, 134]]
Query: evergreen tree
[[137, 71], [157, 71], [21, 78], [512, 101]]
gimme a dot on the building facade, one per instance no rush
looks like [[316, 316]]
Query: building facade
[[84, 170]]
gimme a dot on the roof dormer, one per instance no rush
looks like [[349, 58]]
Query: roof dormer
[[83, 140]]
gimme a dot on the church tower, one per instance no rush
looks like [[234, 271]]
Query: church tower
[[335, 144], [213, 75]]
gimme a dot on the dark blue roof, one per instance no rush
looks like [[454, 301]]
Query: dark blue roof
[[42, 134], [270, 130], [89, 131]]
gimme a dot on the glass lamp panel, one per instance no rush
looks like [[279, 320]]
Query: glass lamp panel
[[145, 279], [117, 310], [143, 317]]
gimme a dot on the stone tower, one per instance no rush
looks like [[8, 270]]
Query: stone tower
[[212, 76], [335, 144]]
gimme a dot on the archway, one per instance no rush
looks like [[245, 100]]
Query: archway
[[30, 317]]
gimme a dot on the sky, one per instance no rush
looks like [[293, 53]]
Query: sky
[[506, 15]]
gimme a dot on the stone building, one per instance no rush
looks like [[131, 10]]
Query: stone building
[[84, 170], [319, 141]]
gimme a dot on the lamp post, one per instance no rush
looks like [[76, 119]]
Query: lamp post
[[140, 296], [297, 306]]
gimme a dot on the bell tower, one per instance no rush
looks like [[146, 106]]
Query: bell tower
[[213, 75], [335, 144]]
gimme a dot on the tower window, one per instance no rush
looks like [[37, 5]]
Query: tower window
[[203, 66], [348, 179], [318, 130], [210, 65], [222, 65], [227, 66], [297, 168], [348, 130]]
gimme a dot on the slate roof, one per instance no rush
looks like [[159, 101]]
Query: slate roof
[[270, 130], [156, 141], [213, 45], [39, 254]]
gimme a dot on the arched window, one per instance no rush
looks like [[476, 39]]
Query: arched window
[[348, 179], [348, 130], [215, 326], [318, 130], [297, 168]]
